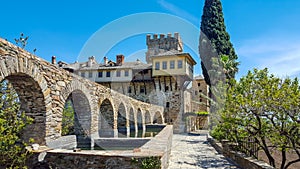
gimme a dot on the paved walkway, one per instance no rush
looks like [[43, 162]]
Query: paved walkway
[[192, 151]]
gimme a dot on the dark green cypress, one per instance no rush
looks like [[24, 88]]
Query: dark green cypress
[[215, 41]]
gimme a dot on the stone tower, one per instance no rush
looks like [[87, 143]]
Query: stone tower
[[162, 44]]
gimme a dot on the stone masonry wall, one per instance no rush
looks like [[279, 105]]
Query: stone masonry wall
[[156, 150], [51, 88]]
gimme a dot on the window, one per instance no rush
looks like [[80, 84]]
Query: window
[[157, 66], [200, 91], [168, 105], [179, 64], [167, 88], [200, 100], [100, 74], [90, 74], [142, 89], [191, 68], [172, 64], [108, 74], [118, 73], [126, 73], [199, 84], [129, 89], [164, 64], [196, 93], [82, 74]]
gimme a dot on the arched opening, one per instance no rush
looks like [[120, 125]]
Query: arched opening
[[76, 118], [106, 119], [147, 118], [139, 119], [32, 102], [68, 119], [122, 130], [140, 124], [131, 122], [157, 118]]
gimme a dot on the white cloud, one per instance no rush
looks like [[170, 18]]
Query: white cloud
[[178, 11], [280, 55]]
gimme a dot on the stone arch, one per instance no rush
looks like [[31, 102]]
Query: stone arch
[[80, 97], [25, 78], [106, 120], [32, 100], [147, 117], [122, 120], [131, 121], [158, 118], [139, 118], [82, 112]]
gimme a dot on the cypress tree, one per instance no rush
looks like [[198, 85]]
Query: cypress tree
[[215, 42]]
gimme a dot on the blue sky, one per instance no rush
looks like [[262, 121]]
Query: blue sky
[[265, 33]]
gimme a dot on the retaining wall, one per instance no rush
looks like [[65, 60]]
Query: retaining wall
[[158, 148]]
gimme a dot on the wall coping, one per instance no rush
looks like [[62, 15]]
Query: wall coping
[[158, 146]]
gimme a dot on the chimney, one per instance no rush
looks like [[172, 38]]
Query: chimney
[[53, 60], [155, 36], [105, 60], [161, 36], [91, 61], [120, 59]]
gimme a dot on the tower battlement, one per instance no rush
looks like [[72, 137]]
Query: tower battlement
[[162, 37], [162, 43]]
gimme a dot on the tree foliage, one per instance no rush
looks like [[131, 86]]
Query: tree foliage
[[215, 41], [68, 119], [12, 148], [265, 108]]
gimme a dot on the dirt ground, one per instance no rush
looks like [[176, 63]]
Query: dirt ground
[[290, 156]]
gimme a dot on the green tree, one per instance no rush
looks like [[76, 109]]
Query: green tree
[[12, 148], [68, 119], [265, 108], [215, 41]]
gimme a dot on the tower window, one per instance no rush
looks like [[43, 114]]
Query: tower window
[[168, 105], [157, 66], [172, 64], [164, 64], [90, 74], [179, 64]]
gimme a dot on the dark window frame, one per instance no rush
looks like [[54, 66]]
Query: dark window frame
[[179, 64], [157, 65], [108, 74], [164, 65], [118, 73], [172, 64]]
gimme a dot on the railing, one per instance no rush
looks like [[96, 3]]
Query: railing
[[249, 147]]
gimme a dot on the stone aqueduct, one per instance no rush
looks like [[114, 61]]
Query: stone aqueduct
[[43, 90]]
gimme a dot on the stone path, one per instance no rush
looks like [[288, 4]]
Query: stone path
[[192, 151]]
